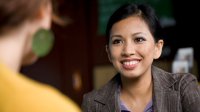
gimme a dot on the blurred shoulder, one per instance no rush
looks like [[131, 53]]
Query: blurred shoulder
[[172, 79]]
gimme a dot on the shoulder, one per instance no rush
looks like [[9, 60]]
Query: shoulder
[[90, 96], [185, 85], [110, 86], [163, 75], [189, 90], [102, 95], [55, 99], [175, 81]]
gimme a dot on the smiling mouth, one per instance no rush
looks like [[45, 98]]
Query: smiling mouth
[[130, 64]]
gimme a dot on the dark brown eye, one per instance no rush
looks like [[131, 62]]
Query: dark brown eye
[[117, 41], [139, 39]]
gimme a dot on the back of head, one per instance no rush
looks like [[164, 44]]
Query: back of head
[[20, 20], [15, 12], [143, 11]]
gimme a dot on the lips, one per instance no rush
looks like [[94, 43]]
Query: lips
[[130, 64]]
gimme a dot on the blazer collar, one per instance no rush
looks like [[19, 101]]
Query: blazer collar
[[163, 89], [163, 81], [108, 95]]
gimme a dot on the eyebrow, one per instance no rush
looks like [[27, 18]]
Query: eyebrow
[[115, 36], [118, 35], [137, 33]]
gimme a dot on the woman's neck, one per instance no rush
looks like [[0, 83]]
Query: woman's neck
[[139, 87], [137, 92], [11, 49]]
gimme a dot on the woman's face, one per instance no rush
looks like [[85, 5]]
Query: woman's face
[[132, 47]]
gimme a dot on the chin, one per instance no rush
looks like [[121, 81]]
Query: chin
[[130, 75]]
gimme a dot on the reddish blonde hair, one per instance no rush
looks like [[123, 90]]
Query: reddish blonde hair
[[15, 12]]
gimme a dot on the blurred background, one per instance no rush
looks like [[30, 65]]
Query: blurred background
[[78, 62]]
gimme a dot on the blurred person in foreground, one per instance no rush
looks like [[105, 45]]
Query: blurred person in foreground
[[134, 40], [24, 36]]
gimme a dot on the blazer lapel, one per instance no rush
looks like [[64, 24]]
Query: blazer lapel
[[165, 98], [108, 95]]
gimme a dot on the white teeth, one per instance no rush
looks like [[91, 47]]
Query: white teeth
[[130, 63]]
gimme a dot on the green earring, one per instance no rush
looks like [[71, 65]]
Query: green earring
[[42, 42]]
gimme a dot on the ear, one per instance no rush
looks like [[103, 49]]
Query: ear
[[108, 53], [158, 49], [44, 15]]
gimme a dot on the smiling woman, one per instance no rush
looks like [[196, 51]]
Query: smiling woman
[[132, 48], [134, 41]]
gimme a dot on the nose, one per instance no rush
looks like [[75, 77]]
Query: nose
[[128, 49]]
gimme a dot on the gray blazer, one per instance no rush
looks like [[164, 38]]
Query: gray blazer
[[172, 93]]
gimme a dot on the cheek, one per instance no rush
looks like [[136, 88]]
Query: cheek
[[115, 53], [28, 45], [146, 51]]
